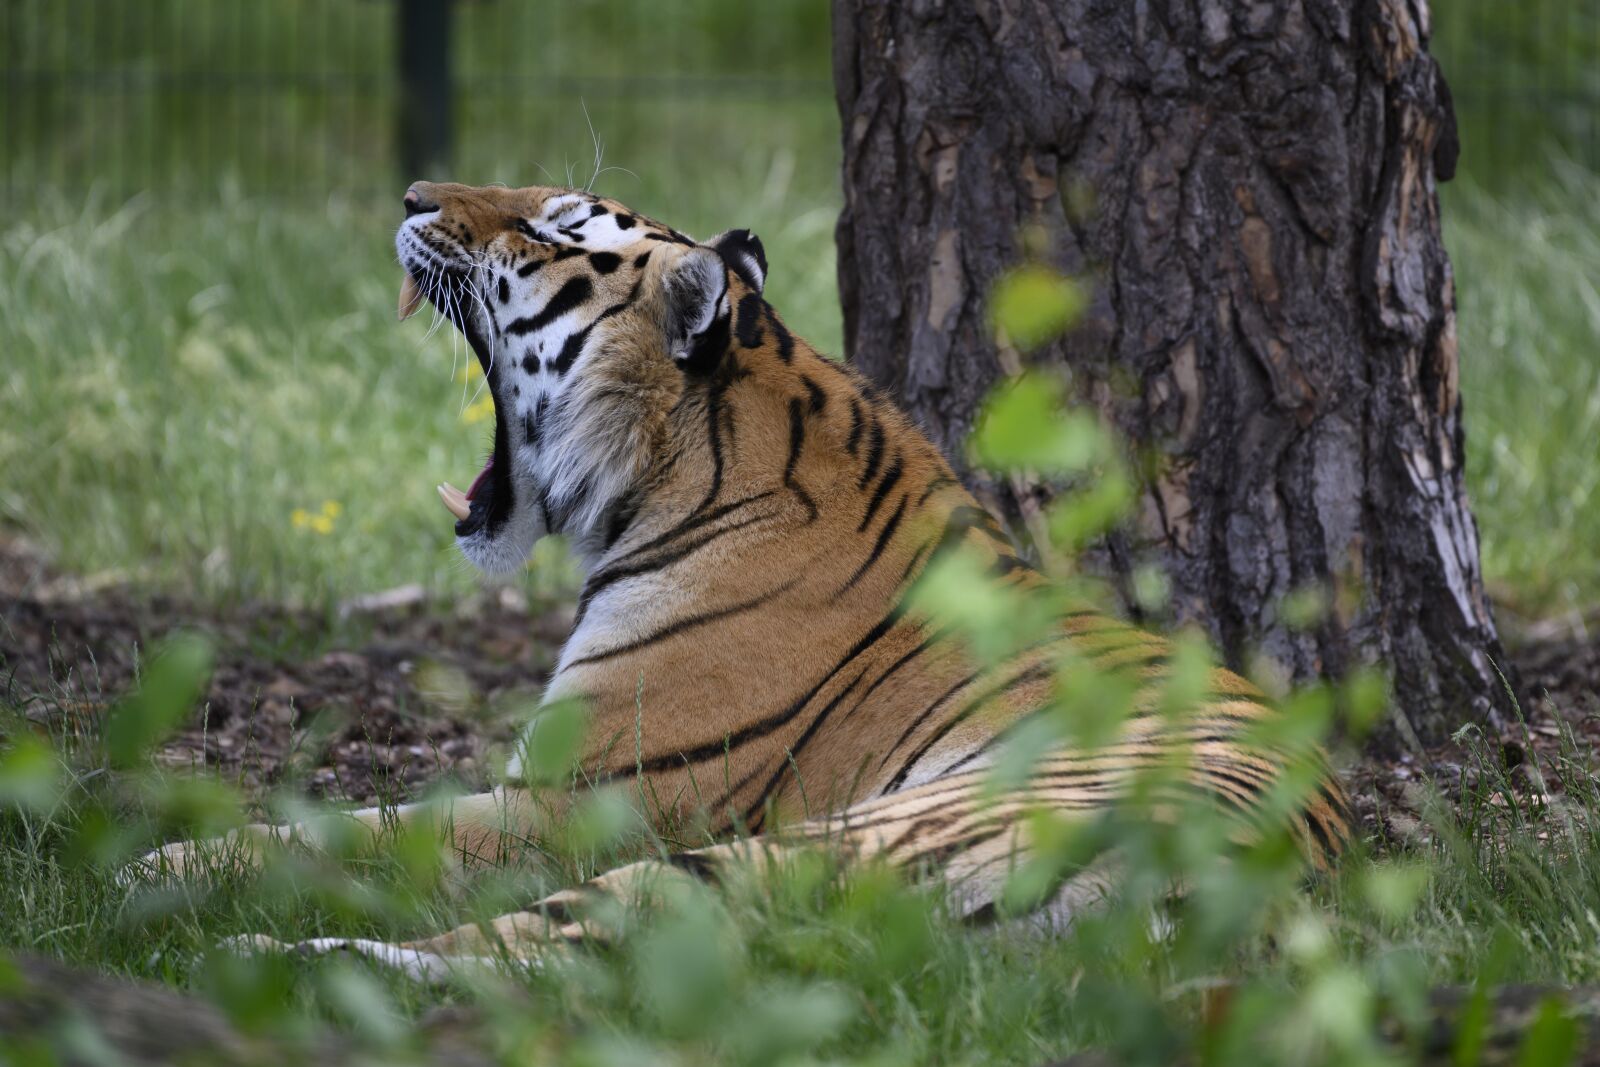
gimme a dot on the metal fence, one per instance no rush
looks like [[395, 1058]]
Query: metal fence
[[303, 97], [349, 97]]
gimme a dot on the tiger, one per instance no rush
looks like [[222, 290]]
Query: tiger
[[750, 517]]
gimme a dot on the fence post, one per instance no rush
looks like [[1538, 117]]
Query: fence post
[[426, 89]]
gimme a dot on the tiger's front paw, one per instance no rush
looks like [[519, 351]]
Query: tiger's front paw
[[415, 963], [236, 853]]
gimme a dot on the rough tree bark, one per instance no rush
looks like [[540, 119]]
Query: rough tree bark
[[1250, 188]]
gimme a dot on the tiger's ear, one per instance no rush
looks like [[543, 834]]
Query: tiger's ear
[[741, 250], [698, 309]]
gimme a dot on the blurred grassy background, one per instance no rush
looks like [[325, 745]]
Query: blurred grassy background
[[205, 389]]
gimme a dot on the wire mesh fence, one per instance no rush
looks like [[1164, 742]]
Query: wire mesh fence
[[306, 97], [310, 97]]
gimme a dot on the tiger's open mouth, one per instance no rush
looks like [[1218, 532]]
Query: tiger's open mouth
[[488, 500]]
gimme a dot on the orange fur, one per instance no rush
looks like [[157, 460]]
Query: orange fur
[[742, 637]]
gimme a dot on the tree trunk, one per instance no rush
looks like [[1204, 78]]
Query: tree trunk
[[1250, 190]]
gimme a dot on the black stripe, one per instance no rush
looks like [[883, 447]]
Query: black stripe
[[599, 580], [567, 253], [503, 288], [1005, 563], [762, 727], [624, 222], [753, 811], [911, 566], [922, 716], [640, 260], [781, 333], [877, 549], [933, 487], [683, 625], [941, 855], [604, 262], [533, 424], [529, 267], [797, 440], [693, 522], [881, 494], [571, 348], [854, 440], [922, 646], [819, 399], [1325, 841], [569, 296], [874, 453], [962, 521], [1032, 674], [557, 911], [714, 432], [697, 864], [621, 518], [749, 325]]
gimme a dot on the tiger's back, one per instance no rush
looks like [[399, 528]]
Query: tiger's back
[[744, 637]]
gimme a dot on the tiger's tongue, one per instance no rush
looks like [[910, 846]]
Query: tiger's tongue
[[483, 476], [458, 503]]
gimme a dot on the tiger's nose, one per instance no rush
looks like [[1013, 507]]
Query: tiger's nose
[[416, 201]]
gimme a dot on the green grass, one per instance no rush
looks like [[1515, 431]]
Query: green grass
[[181, 380], [819, 966], [1529, 327]]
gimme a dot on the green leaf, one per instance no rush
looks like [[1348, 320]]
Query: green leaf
[[1393, 889], [1024, 425], [172, 684], [30, 775], [1035, 304], [1079, 518], [1552, 1040], [551, 743]]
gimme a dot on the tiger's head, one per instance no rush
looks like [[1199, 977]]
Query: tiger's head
[[590, 322]]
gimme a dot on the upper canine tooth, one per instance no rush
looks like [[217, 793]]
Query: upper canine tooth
[[410, 297], [455, 501]]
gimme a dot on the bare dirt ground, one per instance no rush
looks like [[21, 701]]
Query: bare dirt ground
[[393, 692], [378, 699]]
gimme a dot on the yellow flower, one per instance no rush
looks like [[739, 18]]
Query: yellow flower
[[320, 522], [478, 410]]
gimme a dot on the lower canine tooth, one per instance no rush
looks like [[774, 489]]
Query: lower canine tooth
[[455, 501], [410, 297]]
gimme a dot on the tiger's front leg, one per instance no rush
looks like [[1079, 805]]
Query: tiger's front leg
[[943, 832], [481, 830], [589, 912]]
